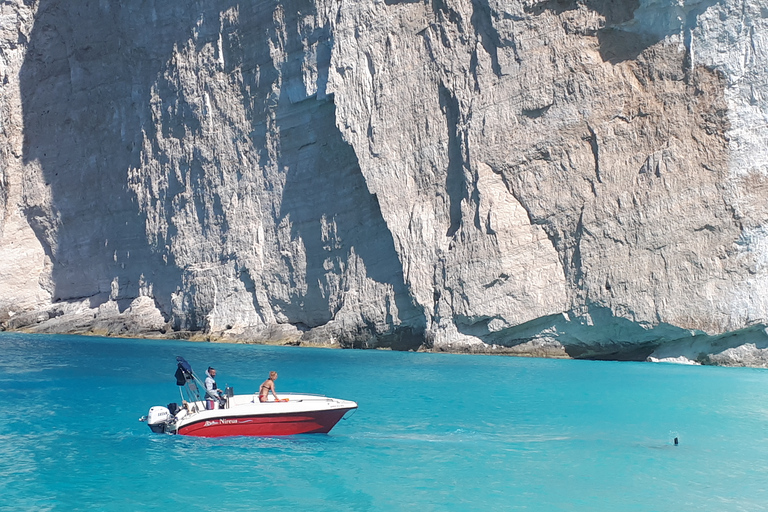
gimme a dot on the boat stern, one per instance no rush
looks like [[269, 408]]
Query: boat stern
[[158, 419]]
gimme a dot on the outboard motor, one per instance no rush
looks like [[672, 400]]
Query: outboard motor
[[158, 419]]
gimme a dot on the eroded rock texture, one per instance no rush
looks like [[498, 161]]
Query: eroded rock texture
[[582, 178]]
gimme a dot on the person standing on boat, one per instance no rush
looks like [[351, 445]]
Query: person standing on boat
[[267, 386], [211, 390]]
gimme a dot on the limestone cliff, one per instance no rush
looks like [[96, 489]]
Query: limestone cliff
[[582, 178]]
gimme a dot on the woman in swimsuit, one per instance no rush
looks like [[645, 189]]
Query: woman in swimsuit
[[267, 386]]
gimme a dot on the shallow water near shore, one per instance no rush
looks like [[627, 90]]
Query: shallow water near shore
[[432, 432]]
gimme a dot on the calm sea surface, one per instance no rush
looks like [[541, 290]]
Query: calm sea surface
[[433, 432]]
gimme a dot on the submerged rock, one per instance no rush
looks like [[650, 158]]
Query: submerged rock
[[552, 178]]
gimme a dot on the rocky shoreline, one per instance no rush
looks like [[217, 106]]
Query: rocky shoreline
[[141, 319]]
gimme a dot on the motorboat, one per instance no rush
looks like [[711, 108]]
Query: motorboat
[[243, 415]]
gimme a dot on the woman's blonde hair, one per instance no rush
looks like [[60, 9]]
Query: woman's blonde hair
[[272, 375]]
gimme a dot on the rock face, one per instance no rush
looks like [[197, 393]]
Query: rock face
[[569, 178]]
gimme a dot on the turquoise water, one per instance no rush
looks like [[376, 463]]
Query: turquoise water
[[433, 432]]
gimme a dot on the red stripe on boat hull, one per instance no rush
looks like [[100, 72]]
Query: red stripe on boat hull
[[312, 422]]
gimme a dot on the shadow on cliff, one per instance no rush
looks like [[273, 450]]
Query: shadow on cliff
[[86, 88], [603, 336], [87, 91], [616, 45], [326, 198]]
